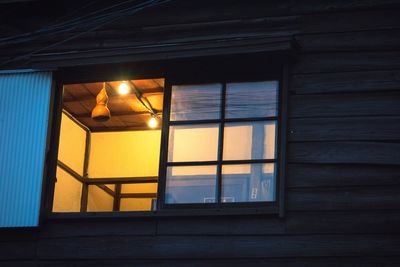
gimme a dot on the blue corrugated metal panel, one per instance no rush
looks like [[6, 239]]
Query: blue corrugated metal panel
[[24, 110]]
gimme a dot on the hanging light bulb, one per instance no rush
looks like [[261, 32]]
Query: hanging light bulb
[[123, 88], [153, 122], [101, 112]]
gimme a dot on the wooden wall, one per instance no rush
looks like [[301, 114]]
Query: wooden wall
[[343, 184]]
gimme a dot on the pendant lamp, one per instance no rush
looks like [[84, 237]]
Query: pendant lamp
[[101, 113]]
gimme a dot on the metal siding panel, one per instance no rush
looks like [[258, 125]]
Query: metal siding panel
[[24, 111]]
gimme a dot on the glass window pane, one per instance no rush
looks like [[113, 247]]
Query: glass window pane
[[191, 184], [248, 183], [195, 102], [250, 100], [193, 143], [249, 140]]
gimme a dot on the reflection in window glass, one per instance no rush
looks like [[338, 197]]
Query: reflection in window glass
[[190, 184], [193, 143], [248, 183], [251, 100], [249, 140], [195, 102]]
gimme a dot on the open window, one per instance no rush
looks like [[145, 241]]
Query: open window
[[109, 146]]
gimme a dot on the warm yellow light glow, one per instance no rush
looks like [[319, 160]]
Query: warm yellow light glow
[[123, 88], [153, 122]]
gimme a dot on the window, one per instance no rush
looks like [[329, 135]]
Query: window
[[222, 144], [217, 146], [109, 164]]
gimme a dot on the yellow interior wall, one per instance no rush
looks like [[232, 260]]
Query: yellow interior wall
[[99, 200], [127, 154], [71, 149], [67, 192], [137, 204], [124, 154]]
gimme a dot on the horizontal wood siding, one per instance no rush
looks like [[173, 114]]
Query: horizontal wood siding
[[343, 174]]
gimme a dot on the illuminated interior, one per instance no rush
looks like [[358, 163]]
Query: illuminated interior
[[109, 165], [217, 152]]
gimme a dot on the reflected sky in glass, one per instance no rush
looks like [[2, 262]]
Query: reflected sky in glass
[[251, 100], [248, 183], [195, 102], [191, 184]]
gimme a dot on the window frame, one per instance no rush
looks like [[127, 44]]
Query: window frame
[[173, 74], [280, 164]]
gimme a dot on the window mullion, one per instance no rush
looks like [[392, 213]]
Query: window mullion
[[221, 145]]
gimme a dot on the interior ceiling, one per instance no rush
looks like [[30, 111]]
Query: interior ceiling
[[127, 113]]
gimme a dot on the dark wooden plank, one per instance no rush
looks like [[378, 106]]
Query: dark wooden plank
[[336, 105], [211, 247], [17, 250], [341, 198], [350, 41], [182, 11], [20, 263], [98, 227], [277, 262], [350, 21], [347, 61], [346, 82], [352, 222], [18, 234], [255, 14], [345, 153], [344, 129], [237, 225], [315, 6], [268, 26], [219, 47], [271, 26], [326, 175]]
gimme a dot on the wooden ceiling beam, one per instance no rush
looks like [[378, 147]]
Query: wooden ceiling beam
[[115, 97], [117, 114]]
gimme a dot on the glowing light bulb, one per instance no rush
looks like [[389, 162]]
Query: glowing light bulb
[[153, 122], [123, 88]]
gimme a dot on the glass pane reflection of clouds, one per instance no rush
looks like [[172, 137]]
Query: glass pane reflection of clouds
[[251, 99], [195, 102]]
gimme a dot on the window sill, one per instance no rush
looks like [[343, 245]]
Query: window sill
[[162, 213]]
